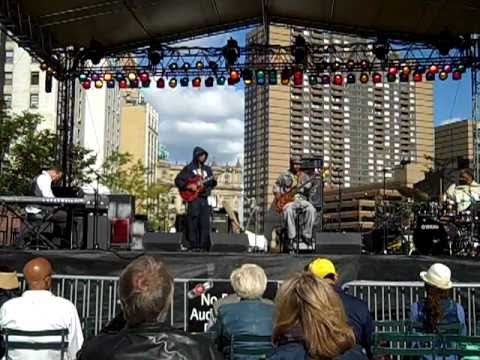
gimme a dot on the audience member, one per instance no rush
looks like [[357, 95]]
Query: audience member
[[9, 285], [245, 313], [38, 309], [357, 310], [310, 322], [146, 292], [438, 310]]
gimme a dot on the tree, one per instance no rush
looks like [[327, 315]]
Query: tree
[[120, 173], [25, 150]]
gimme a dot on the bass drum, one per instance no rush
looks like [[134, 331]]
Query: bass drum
[[431, 237]]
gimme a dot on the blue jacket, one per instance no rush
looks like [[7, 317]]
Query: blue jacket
[[296, 351], [359, 318], [247, 317]]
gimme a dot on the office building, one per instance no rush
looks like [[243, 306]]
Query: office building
[[455, 144], [362, 131]]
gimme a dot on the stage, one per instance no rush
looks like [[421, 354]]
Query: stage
[[185, 265]]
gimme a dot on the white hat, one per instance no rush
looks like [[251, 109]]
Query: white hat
[[438, 275]]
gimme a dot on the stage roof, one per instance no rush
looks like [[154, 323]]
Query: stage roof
[[128, 23]]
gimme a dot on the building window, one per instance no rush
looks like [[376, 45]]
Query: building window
[[34, 78], [7, 99], [33, 101], [9, 56], [8, 78]]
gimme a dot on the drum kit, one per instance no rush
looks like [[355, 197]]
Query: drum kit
[[428, 227]]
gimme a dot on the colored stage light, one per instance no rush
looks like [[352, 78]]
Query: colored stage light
[[461, 67], [144, 76], [247, 75], [99, 84], [172, 83], [272, 77], [221, 80], [433, 68], [447, 68], [377, 78], [285, 76], [260, 77], [234, 76], [297, 77], [392, 70], [350, 65], [404, 77], [364, 78], [406, 69], [312, 80], [108, 77], [196, 82], [184, 81], [351, 79], [132, 76], [83, 77], [338, 79], [430, 76], [110, 84], [209, 81], [325, 79], [199, 65], [420, 69], [443, 75], [134, 84], [457, 75], [365, 64], [95, 77], [391, 77], [146, 83], [417, 77], [86, 84], [160, 83], [173, 66], [122, 84], [336, 66], [186, 66], [119, 76]]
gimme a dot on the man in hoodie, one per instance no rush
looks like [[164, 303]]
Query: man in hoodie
[[198, 211]]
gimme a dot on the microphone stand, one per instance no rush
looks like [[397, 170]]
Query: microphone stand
[[95, 209]]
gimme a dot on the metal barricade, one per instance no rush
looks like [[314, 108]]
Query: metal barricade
[[391, 301]]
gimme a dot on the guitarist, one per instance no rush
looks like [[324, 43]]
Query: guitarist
[[198, 210], [289, 181]]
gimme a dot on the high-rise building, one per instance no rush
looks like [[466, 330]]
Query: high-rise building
[[24, 85], [139, 130], [360, 130], [454, 144]]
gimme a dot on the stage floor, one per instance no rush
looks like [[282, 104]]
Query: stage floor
[[220, 265]]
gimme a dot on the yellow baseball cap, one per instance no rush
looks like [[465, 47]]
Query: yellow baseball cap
[[322, 267]]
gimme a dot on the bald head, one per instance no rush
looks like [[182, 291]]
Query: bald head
[[38, 273]]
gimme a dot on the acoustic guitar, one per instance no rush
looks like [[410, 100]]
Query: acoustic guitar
[[289, 196]]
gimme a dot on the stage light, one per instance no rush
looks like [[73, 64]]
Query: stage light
[[146, 83], [160, 83], [272, 77], [43, 66], [299, 50], [154, 57], [86, 84], [325, 79], [131, 76], [234, 75], [392, 70], [173, 66], [457, 75], [420, 69], [186, 66], [336, 66], [461, 67], [199, 65], [312, 80], [433, 68], [351, 79], [221, 80], [338, 80], [391, 77], [122, 84], [430, 76], [364, 78], [417, 77], [381, 48], [260, 77], [83, 77], [209, 81], [443, 75], [99, 84], [119, 76], [95, 77], [404, 77], [172, 83], [108, 77], [184, 81], [134, 84], [231, 52], [298, 77], [350, 65], [377, 78], [365, 64], [285, 76], [406, 69], [196, 82], [447, 68], [110, 84], [247, 75], [144, 76]]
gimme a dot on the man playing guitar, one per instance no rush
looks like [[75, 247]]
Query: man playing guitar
[[295, 182], [198, 210]]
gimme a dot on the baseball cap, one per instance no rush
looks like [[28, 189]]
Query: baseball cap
[[9, 281], [322, 267]]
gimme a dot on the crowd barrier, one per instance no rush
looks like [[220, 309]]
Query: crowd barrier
[[96, 298]]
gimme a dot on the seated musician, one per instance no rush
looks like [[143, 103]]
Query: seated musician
[[288, 188], [465, 193]]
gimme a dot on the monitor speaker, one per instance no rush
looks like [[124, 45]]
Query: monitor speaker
[[229, 242], [162, 241], [339, 243]]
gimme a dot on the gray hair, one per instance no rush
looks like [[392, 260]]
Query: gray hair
[[249, 281], [146, 290]]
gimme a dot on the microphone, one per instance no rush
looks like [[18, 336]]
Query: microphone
[[200, 289]]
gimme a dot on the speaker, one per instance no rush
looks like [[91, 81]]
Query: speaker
[[220, 223], [338, 243], [102, 232], [162, 241], [229, 242]]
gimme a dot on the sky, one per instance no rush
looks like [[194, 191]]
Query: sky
[[213, 117]]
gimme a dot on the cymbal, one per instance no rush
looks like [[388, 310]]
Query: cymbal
[[416, 194]]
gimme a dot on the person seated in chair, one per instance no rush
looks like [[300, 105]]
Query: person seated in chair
[[9, 289], [37, 310], [244, 313], [296, 182]]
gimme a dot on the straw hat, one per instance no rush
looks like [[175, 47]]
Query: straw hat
[[9, 281], [438, 275]]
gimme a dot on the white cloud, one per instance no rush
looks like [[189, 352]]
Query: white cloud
[[450, 121]]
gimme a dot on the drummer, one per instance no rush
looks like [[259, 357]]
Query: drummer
[[465, 193]]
